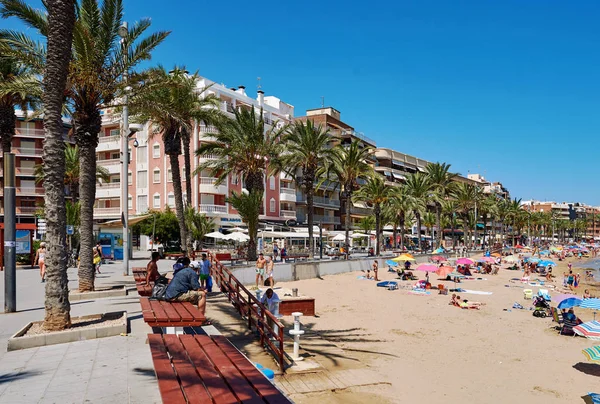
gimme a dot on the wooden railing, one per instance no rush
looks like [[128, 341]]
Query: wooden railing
[[246, 303]]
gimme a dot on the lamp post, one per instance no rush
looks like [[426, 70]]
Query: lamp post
[[123, 32]]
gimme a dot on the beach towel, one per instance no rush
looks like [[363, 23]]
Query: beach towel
[[475, 292], [363, 278], [421, 292], [386, 284]]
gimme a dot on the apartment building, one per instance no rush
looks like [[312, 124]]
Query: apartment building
[[150, 175], [569, 211], [495, 188], [328, 206]]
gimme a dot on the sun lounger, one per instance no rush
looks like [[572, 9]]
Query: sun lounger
[[556, 316]]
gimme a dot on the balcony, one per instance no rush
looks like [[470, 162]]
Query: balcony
[[25, 171], [206, 132], [207, 157], [27, 151], [287, 195], [360, 211], [213, 209], [112, 165], [320, 201], [33, 133], [287, 213], [34, 191], [106, 143], [207, 186], [26, 210], [107, 212], [109, 190]]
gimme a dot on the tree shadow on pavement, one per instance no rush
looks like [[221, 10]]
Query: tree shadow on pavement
[[9, 377]]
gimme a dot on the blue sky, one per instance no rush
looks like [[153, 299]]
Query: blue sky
[[509, 89]]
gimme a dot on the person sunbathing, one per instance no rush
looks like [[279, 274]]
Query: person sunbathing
[[468, 305], [586, 294], [454, 300]]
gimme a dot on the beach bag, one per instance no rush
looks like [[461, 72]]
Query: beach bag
[[161, 280], [159, 291], [97, 260]]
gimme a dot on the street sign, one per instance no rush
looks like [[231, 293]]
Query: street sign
[[70, 230]]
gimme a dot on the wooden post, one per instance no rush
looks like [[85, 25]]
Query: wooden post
[[249, 311]]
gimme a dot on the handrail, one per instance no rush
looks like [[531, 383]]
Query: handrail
[[247, 304]]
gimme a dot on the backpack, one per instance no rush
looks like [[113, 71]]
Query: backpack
[[159, 291]]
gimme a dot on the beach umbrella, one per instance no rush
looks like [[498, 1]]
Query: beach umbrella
[[568, 303], [589, 329], [511, 259], [427, 268], [464, 261], [237, 236], [593, 304], [593, 354], [239, 229], [560, 297], [444, 271], [392, 263], [545, 263], [531, 259], [545, 252], [215, 234], [518, 246], [404, 257], [437, 258], [497, 255], [439, 251], [339, 237], [486, 259], [358, 235]]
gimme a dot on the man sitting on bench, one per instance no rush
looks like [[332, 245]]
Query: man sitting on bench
[[184, 287], [152, 269]]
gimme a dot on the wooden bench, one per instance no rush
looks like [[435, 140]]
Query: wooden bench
[[227, 257], [172, 315], [139, 275], [201, 369]]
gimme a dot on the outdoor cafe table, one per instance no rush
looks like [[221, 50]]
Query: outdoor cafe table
[[173, 316]]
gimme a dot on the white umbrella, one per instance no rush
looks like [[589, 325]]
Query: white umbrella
[[239, 229], [215, 234], [237, 236], [339, 237], [359, 235]]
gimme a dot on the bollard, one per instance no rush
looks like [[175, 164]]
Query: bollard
[[296, 333], [295, 292]]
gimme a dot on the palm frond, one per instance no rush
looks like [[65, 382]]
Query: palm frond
[[30, 16]]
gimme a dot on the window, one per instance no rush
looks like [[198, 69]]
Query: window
[[115, 132], [156, 201], [272, 205], [169, 175], [129, 178], [141, 154], [27, 146], [142, 203], [116, 156], [171, 200], [183, 174], [272, 183], [184, 197], [234, 179], [130, 202], [142, 179], [156, 150], [156, 176]]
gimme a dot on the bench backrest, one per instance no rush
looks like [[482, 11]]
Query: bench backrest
[[223, 256]]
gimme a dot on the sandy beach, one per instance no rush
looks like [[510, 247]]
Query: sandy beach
[[427, 351]]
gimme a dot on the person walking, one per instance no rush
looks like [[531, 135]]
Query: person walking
[[260, 269], [204, 271], [40, 258], [97, 259]]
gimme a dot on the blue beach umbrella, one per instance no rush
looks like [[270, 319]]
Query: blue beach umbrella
[[570, 302], [545, 263], [545, 252], [392, 263], [593, 304]]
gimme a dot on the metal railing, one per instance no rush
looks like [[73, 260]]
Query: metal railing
[[246, 304], [30, 190], [208, 129], [109, 185], [287, 213], [288, 191], [106, 211], [319, 200], [25, 171], [108, 139], [108, 162], [27, 151], [207, 180]]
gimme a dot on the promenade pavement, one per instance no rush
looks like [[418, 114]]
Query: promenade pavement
[[107, 370]]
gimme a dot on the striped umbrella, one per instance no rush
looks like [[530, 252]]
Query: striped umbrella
[[593, 304], [593, 353], [589, 329]]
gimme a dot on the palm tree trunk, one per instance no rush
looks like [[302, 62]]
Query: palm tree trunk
[[377, 210], [176, 172], [419, 242], [347, 221], [438, 224], [61, 18], [395, 235], [402, 224], [187, 163], [453, 235], [8, 120], [87, 193], [311, 209]]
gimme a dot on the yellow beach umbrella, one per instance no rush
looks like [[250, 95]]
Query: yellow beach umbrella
[[404, 257]]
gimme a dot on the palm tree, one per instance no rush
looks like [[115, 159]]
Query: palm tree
[[60, 21], [243, 147], [98, 63], [449, 208], [376, 194], [198, 224], [366, 224], [19, 87], [248, 207], [466, 197], [430, 220], [349, 164], [307, 148], [72, 172], [400, 207], [487, 208], [418, 191], [443, 184]]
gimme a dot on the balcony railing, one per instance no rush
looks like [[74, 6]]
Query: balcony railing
[[213, 208], [288, 191], [208, 129], [208, 157], [360, 211], [108, 139], [30, 132], [110, 185], [287, 213], [207, 180], [107, 211], [109, 162], [30, 190], [27, 151], [27, 210], [25, 171], [319, 200]]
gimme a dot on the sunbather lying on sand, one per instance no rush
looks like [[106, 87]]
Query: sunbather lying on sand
[[465, 304]]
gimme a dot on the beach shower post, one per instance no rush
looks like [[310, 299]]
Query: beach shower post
[[296, 333]]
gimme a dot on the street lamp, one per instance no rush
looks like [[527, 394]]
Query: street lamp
[[123, 33]]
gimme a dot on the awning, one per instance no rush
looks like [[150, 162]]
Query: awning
[[118, 223]]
